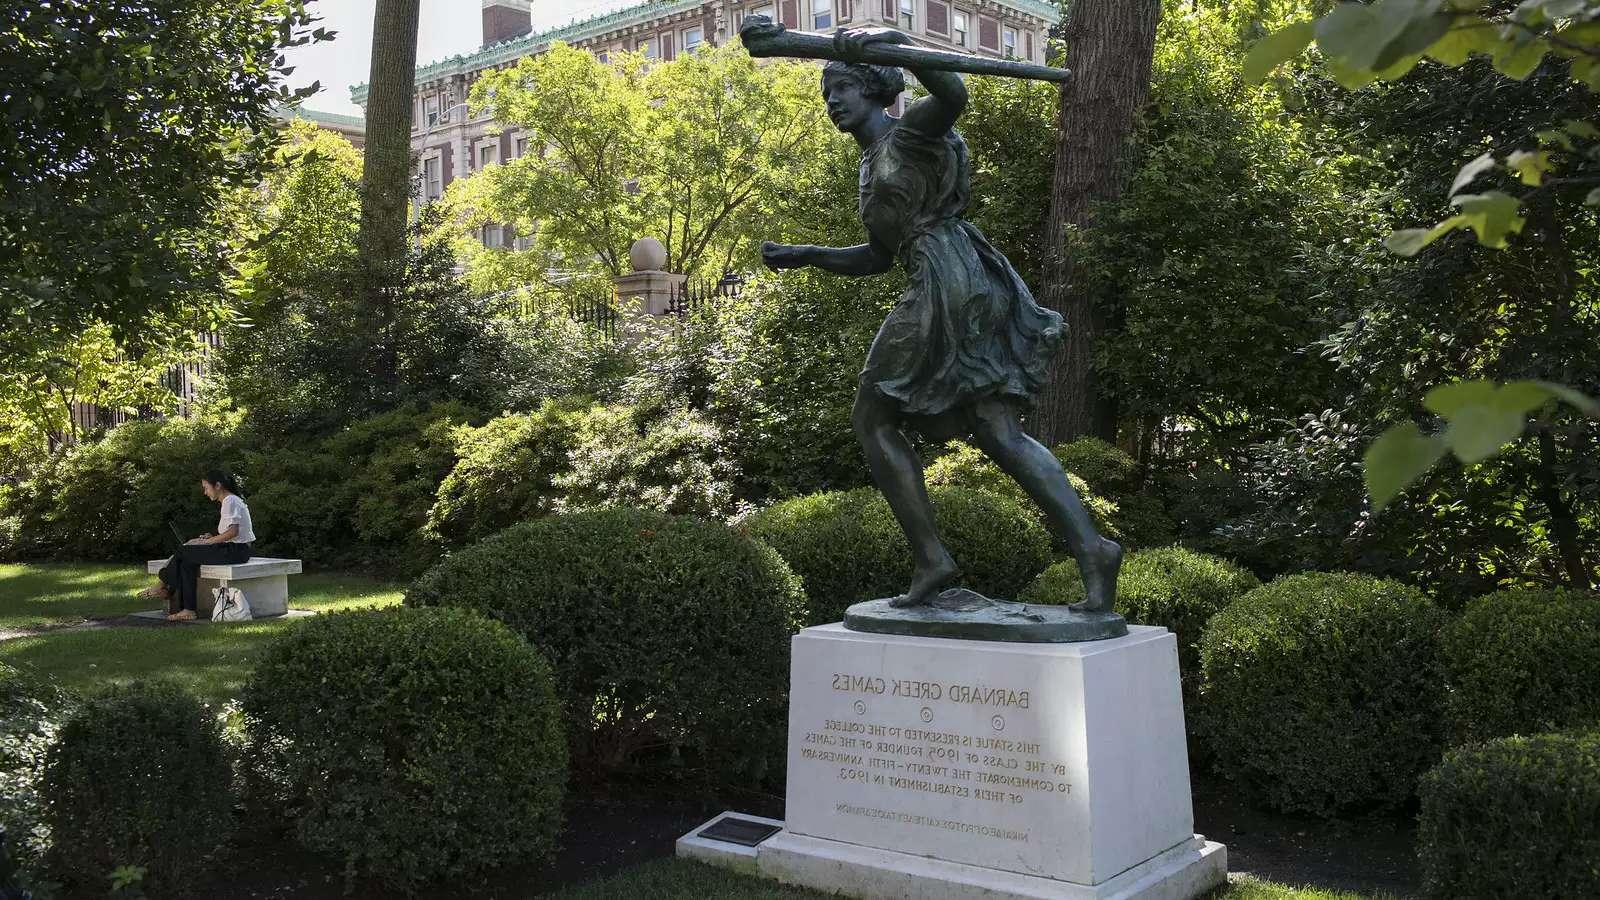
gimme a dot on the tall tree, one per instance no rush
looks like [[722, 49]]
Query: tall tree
[[386, 178], [1110, 45], [700, 153], [123, 127]]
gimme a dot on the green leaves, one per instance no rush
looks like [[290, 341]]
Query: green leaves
[[1471, 171], [1492, 216], [1398, 457], [1481, 417], [1276, 49], [1383, 40]]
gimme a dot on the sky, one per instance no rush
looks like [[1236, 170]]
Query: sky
[[447, 27]]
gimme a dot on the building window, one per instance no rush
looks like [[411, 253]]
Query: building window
[[1009, 42], [908, 14], [762, 11], [648, 48], [486, 156], [692, 38], [431, 111], [433, 177], [522, 147], [493, 236], [958, 28], [821, 14], [603, 56]]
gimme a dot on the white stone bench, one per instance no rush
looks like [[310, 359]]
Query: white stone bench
[[264, 581]]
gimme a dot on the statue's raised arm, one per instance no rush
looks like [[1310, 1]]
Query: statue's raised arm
[[763, 38]]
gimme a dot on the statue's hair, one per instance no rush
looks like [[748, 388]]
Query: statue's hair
[[881, 83]]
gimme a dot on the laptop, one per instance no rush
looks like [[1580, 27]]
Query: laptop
[[177, 536]]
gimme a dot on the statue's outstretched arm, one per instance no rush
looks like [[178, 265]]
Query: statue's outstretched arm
[[862, 259]]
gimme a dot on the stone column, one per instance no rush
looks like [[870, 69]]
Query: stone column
[[647, 290]]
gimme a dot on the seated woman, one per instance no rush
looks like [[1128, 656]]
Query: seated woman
[[230, 544]]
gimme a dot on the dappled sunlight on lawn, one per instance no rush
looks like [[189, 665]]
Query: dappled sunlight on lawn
[[37, 594], [211, 660]]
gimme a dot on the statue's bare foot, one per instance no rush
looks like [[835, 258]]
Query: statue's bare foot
[[1100, 567], [928, 581]]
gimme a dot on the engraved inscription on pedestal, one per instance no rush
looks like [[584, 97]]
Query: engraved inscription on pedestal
[[975, 753]]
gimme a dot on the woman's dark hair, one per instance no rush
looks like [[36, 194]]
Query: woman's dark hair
[[219, 476], [881, 83]]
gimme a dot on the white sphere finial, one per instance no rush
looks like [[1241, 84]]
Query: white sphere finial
[[647, 255]]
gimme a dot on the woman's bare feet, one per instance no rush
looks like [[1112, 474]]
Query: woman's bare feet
[[182, 615], [1099, 569], [928, 581]]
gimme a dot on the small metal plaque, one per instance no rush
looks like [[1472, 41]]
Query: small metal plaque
[[733, 830]]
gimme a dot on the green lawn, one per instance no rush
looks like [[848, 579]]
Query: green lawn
[[674, 879], [212, 660]]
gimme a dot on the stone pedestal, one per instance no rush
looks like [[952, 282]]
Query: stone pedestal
[[932, 767], [648, 292]]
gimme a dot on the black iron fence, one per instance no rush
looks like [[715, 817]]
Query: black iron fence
[[692, 295], [598, 311], [182, 380]]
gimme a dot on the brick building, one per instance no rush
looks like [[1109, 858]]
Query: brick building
[[450, 144]]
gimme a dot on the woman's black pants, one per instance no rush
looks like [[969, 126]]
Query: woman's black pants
[[181, 574]]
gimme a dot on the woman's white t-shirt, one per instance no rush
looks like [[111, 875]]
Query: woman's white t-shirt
[[234, 512]]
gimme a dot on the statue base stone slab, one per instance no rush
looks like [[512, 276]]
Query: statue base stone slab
[[961, 613], [937, 767]]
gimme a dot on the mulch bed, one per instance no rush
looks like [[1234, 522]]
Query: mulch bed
[[1368, 855], [609, 832]]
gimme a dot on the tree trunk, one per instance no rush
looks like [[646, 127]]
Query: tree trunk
[[1563, 523], [386, 176], [1110, 45]]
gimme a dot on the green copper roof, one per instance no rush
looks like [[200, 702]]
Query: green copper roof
[[324, 118], [516, 48]]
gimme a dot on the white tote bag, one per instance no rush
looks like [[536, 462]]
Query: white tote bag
[[231, 606]]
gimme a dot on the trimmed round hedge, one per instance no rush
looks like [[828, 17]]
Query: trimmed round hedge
[[1104, 477], [1514, 817], [1523, 662], [1323, 692], [505, 472], [663, 631], [410, 744], [847, 546], [139, 776], [31, 713], [1173, 587], [965, 466]]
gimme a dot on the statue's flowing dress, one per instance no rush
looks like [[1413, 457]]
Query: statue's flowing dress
[[967, 328]]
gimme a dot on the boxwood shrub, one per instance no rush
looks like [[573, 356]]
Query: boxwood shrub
[[1323, 692], [506, 472], [847, 546], [1173, 587], [1104, 477], [1514, 817], [412, 745], [1523, 662], [666, 633], [31, 714], [139, 776]]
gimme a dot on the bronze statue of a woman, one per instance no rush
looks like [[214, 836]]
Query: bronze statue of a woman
[[966, 347]]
